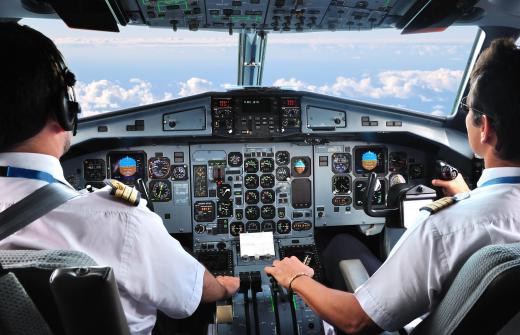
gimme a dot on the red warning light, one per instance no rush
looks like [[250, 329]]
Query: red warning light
[[290, 103], [224, 103]]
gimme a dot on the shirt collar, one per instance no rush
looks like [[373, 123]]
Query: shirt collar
[[498, 172], [33, 161]]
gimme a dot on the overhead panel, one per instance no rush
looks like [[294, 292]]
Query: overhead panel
[[274, 15]]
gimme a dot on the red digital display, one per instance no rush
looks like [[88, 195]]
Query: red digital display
[[224, 103], [290, 103]]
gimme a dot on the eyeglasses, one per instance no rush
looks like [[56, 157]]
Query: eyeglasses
[[465, 107]]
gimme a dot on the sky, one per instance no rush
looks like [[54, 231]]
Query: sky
[[142, 65]]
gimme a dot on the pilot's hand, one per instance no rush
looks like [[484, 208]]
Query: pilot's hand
[[283, 271], [231, 284], [452, 187]]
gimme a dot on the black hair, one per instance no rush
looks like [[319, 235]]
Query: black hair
[[30, 83], [495, 92]]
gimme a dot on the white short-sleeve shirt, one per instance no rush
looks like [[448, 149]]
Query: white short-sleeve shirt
[[426, 259], [152, 269]]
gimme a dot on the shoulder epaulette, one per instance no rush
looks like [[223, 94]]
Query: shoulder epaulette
[[125, 192], [439, 205]]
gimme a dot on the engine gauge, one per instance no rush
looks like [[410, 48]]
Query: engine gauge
[[251, 165], [282, 173], [341, 162], [267, 181], [267, 196], [236, 228], [252, 212], [268, 225], [159, 167], [234, 159], [341, 185], [160, 190], [267, 165], [282, 157], [179, 172], [251, 197], [283, 227], [268, 212], [224, 192], [251, 181], [252, 227]]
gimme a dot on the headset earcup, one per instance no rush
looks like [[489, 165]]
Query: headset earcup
[[67, 111]]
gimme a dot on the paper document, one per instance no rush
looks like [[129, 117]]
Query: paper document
[[257, 244]]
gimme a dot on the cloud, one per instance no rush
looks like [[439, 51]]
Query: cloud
[[101, 96], [387, 84], [195, 86]]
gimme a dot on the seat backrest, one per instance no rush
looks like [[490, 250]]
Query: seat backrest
[[483, 296], [79, 287]]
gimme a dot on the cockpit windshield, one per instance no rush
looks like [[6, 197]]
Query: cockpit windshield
[[141, 65]]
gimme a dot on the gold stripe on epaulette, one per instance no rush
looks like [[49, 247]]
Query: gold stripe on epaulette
[[125, 192], [439, 205]]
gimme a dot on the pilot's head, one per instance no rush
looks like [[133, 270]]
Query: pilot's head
[[38, 103], [493, 120]]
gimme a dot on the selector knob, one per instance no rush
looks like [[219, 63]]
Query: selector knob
[[172, 123], [337, 120], [320, 214]]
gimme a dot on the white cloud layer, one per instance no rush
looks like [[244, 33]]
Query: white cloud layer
[[103, 95], [425, 86], [395, 84]]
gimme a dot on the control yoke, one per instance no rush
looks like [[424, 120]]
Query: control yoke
[[368, 207]]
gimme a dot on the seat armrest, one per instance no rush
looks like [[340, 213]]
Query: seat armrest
[[353, 272]]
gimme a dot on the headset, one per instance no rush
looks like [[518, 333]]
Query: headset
[[67, 108]]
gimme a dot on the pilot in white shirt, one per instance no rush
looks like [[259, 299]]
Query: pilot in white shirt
[[37, 118], [152, 269], [422, 265], [426, 259]]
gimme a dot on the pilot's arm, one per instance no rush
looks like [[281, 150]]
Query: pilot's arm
[[337, 307], [403, 288]]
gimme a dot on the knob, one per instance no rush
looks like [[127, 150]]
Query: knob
[[172, 123], [337, 120], [320, 214]]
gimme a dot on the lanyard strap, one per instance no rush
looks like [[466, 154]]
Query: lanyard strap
[[502, 180], [9, 171]]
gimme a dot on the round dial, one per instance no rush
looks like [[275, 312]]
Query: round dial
[[268, 212], [267, 196], [159, 167], [160, 190], [268, 225], [234, 159], [179, 172], [251, 181], [224, 192], [282, 157], [235, 228], [282, 173], [251, 165], [267, 181], [251, 197], [252, 226], [340, 163], [341, 185], [199, 229], [283, 227], [252, 212], [267, 165]]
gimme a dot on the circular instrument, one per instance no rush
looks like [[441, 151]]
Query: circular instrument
[[282, 157], [159, 167], [160, 190]]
